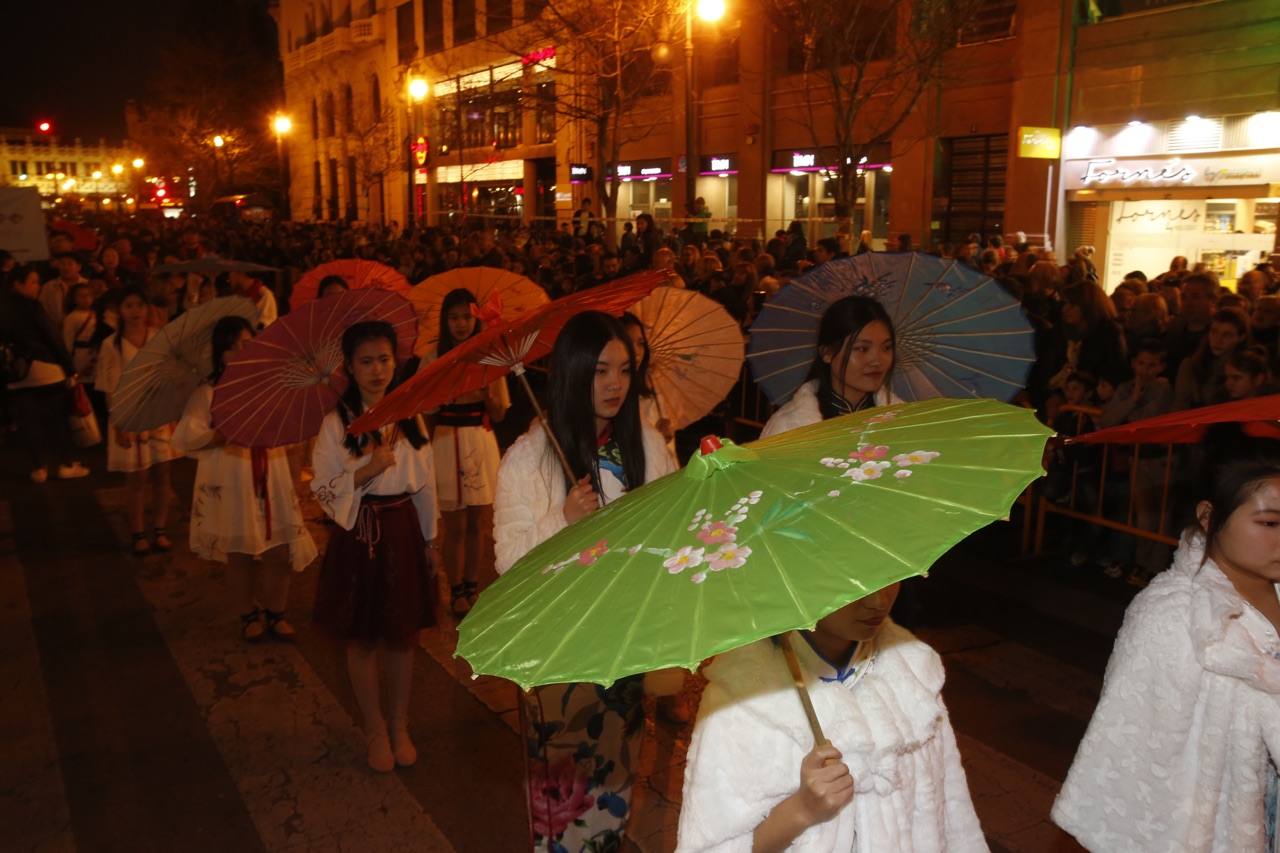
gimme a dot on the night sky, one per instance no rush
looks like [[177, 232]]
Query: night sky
[[76, 62]]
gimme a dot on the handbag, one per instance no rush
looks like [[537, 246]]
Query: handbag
[[85, 431]]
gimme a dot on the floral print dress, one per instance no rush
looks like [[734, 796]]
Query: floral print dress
[[582, 740]]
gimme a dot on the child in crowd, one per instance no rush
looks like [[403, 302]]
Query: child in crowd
[[377, 586], [1146, 395], [244, 508], [141, 456]]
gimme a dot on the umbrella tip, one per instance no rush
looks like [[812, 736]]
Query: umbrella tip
[[710, 444]]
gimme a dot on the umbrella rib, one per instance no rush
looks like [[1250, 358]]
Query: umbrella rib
[[951, 303], [919, 322], [803, 313], [938, 345]]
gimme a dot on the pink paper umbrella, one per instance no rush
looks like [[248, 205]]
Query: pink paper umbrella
[[278, 389]]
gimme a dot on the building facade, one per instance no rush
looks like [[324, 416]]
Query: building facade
[[467, 123], [1172, 144], [99, 175]]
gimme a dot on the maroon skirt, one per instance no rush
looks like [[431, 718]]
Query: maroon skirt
[[376, 584]]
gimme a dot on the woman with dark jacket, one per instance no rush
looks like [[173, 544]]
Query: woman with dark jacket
[[39, 377], [1088, 337]]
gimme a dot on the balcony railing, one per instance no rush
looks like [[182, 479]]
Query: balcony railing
[[366, 30]]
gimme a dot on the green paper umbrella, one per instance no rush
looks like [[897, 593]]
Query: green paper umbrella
[[749, 542]]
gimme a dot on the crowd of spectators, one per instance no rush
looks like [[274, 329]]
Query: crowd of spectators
[[1162, 340]]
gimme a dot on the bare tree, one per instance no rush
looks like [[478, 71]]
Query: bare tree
[[609, 55], [378, 150], [865, 66]]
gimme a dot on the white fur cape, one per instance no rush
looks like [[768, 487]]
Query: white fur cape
[[1176, 756], [890, 724]]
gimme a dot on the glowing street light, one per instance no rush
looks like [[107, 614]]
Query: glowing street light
[[218, 142], [138, 162], [418, 89], [97, 175], [117, 169], [281, 124], [710, 11]]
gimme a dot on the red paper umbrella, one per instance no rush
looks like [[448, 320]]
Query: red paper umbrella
[[504, 345], [1258, 415], [278, 389], [359, 275]]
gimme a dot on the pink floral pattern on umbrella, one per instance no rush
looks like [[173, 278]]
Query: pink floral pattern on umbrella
[[589, 556], [559, 795]]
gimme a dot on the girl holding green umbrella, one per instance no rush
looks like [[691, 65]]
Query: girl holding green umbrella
[[579, 736], [889, 776]]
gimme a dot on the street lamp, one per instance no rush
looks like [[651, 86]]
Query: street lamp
[[709, 12], [417, 88], [281, 124], [138, 162], [117, 169]]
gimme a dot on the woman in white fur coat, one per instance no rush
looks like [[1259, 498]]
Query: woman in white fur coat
[[1180, 754], [890, 778], [580, 737], [850, 371]]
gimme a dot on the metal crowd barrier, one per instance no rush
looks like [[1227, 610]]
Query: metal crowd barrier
[[1093, 511]]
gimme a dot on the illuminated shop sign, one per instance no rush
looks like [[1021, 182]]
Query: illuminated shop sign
[[1111, 173], [718, 164], [647, 170], [579, 173], [1039, 143]]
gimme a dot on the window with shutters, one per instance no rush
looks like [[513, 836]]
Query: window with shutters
[[971, 179]]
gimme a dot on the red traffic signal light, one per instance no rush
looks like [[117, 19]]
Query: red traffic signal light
[[161, 193], [44, 126]]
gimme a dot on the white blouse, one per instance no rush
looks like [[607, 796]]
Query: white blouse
[[335, 468]]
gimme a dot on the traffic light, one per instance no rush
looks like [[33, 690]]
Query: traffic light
[[44, 126]]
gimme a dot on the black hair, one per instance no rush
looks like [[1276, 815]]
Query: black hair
[[1253, 361], [1153, 346], [331, 280], [841, 324], [351, 404], [226, 332], [19, 274], [453, 299], [571, 404], [1235, 468], [123, 294], [1085, 378], [640, 376]]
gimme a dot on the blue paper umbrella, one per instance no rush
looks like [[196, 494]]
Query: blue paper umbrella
[[959, 333]]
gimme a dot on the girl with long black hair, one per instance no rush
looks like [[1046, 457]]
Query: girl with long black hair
[[574, 730], [466, 457], [377, 585], [244, 504], [851, 369], [140, 455]]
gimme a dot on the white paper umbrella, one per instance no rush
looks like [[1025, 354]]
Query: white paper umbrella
[[154, 388]]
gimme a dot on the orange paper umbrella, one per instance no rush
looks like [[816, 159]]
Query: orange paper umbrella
[[359, 275], [278, 389], [695, 352], [504, 345], [519, 296]]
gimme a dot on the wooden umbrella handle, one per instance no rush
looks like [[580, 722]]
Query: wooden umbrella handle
[[797, 675], [518, 370]]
